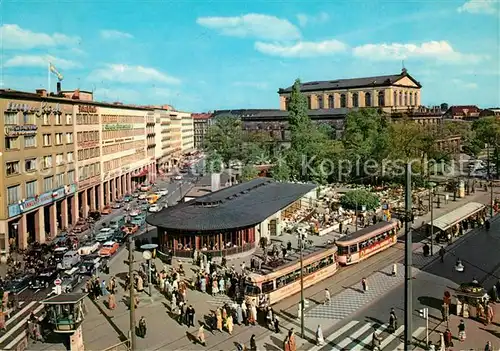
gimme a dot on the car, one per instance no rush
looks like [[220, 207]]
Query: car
[[44, 278], [59, 253], [130, 228], [90, 265], [116, 205], [178, 177], [106, 210], [127, 198], [145, 188], [105, 234], [135, 212], [143, 196], [18, 284], [109, 248], [95, 215], [81, 226], [162, 192], [89, 248], [70, 280], [155, 208]]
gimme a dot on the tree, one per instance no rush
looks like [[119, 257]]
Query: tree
[[213, 163], [297, 109], [249, 172], [358, 198], [488, 132], [444, 107]]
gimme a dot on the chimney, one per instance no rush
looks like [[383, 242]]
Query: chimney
[[215, 184], [58, 88], [41, 92]]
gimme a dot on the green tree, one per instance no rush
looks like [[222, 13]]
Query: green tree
[[359, 198], [213, 163], [248, 172], [488, 132]]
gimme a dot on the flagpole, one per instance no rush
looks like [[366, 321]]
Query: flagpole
[[48, 78]]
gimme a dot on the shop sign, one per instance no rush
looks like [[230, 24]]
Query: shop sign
[[15, 131], [86, 144], [89, 182], [118, 126], [15, 106], [87, 109]]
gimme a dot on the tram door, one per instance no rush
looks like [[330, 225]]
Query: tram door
[[273, 226]]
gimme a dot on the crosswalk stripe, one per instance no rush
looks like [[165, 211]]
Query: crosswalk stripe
[[14, 342], [345, 342], [415, 335], [391, 337], [18, 325], [363, 344], [20, 313], [336, 334]]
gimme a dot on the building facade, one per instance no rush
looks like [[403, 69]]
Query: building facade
[[187, 133], [201, 122], [65, 156], [390, 92]]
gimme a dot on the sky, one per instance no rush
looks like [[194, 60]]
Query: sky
[[203, 55]]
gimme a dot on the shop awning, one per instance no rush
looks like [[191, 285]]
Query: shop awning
[[450, 219], [140, 173]]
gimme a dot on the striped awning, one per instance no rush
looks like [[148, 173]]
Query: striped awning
[[457, 215]]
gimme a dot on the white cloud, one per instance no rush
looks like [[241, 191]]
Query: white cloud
[[480, 7], [304, 19], [40, 61], [15, 37], [252, 25], [255, 85], [433, 50], [131, 74], [302, 48], [464, 85], [115, 34]]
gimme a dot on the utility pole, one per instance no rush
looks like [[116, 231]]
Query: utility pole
[[131, 292], [302, 334], [356, 213], [431, 193], [491, 198], [408, 262]]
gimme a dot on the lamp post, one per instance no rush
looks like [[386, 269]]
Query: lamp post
[[302, 335], [431, 193], [408, 262], [356, 214], [491, 198], [131, 293], [148, 256]]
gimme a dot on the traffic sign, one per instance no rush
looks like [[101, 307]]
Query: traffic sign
[[58, 281]]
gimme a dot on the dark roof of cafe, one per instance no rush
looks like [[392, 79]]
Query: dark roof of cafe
[[242, 205], [65, 299], [352, 83]]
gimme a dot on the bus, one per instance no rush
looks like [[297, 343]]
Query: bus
[[366, 242], [282, 281]]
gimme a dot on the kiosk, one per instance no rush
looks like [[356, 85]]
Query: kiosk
[[65, 314], [469, 295]]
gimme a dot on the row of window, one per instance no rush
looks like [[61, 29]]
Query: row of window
[[111, 149], [33, 164], [92, 135], [113, 134], [116, 163], [17, 118], [89, 153], [122, 119], [345, 250], [83, 119], [32, 188], [30, 141], [89, 171]]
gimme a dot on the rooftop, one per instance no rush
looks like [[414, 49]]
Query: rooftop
[[350, 83], [242, 205], [65, 298], [256, 114]]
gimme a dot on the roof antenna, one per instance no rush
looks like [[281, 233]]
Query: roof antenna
[[403, 69]]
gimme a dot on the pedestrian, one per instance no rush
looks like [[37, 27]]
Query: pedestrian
[[190, 316], [461, 331], [327, 296], [201, 335], [142, 327], [445, 312], [393, 321], [376, 339], [269, 318], [219, 319], [394, 269], [320, 341], [442, 252], [447, 338], [229, 325], [111, 301], [489, 313], [239, 314], [488, 347], [277, 325], [364, 285], [253, 343]]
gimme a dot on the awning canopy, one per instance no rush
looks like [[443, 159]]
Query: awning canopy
[[457, 215]]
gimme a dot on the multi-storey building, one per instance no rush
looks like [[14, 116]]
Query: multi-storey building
[[201, 122], [187, 133], [65, 155]]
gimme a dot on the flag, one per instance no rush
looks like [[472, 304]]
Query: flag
[[54, 70]]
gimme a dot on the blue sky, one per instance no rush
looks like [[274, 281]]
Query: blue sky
[[205, 55]]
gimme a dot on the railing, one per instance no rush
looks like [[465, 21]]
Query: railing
[[215, 253]]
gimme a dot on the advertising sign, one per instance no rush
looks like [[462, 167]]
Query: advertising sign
[[15, 131]]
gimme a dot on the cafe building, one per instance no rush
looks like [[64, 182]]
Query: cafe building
[[227, 222]]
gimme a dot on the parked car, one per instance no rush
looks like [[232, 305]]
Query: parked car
[[109, 249], [155, 208], [105, 234], [44, 278], [70, 259], [89, 248], [142, 196], [106, 210], [81, 226], [70, 280], [90, 265], [130, 228], [18, 284], [145, 188], [162, 192], [135, 212], [178, 177], [127, 198], [95, 215], [116, 205], [59, 253]]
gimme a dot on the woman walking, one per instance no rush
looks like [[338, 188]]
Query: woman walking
[[461, 331], [201, 335]]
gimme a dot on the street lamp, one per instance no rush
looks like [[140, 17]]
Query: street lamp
[[147, 255], [301, 234], [431, 193]]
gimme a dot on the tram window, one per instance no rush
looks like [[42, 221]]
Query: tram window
[[267, 287], [343, 250], [353, 248], [252, 290]]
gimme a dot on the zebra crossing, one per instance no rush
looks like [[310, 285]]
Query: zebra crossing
[[357, 336], [220, 300], [17, 324]]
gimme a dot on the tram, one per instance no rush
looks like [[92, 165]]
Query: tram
[[283, 282], [366, 242]]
